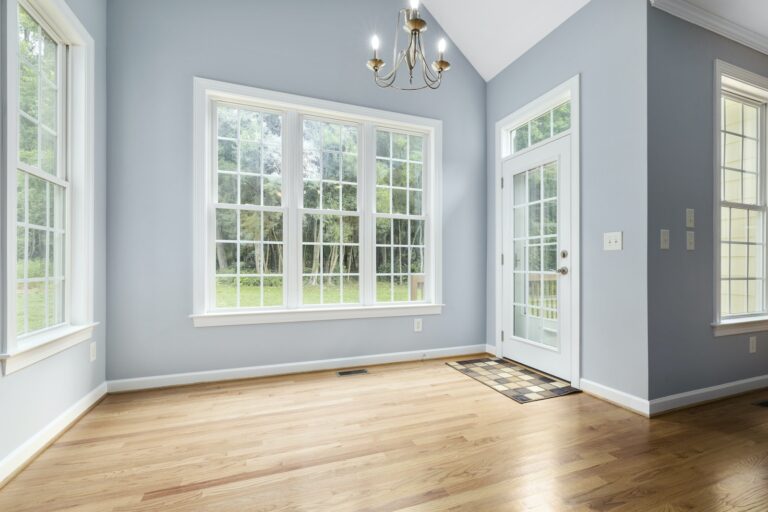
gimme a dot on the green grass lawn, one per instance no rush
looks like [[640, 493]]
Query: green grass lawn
[[250, 296], [36, 308]]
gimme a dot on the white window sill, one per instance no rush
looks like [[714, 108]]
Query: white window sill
[[311, 315], [740, 326], [44, 345]]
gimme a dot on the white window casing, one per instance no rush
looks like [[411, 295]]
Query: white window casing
[[76, 161], [294, 110], [732, 315]]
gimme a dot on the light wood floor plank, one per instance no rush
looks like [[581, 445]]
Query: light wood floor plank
[[410, 437]]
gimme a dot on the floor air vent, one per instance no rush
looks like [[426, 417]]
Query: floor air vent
[[764, 403], [347, 373]]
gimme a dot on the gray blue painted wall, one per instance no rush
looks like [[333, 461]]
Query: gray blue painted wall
[[34, 396], [155, 49], [683, 353], [606, 43]]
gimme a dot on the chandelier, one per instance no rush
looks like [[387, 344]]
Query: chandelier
[[412, 55]]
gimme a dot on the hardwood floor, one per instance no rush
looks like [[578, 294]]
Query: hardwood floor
[[406, 437]]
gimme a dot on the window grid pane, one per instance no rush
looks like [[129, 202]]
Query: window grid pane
[[742, 224], [541, 128], [249, 253], [400, 220], [41, 210], [330, 244]]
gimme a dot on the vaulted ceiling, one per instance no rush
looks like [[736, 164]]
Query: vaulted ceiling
[[494, 33]]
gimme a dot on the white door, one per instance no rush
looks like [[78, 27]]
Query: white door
[[536, 298]]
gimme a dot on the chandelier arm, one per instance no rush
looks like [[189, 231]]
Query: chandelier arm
[[395, 66], [429, 76], [432, 83]]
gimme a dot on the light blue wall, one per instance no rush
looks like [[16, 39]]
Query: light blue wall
[[684, 355], [304, 47], [33, 397], [606, 43]]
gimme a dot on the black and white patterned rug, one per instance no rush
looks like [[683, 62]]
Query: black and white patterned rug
[[518, 382]]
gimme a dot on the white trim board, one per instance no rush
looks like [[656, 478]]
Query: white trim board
[[717, 24], [616, 397], [657, 406], [699, 396], [180, 379], [18, 458]]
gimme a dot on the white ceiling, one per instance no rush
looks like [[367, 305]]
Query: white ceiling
[[494, 33], [750, 14]]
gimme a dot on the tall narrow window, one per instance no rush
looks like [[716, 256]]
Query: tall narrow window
[[331, 222], [41, 182], [249, 209], [399, 217], [47, 205], [742, 208]]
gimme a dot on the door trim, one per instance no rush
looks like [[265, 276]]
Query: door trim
[[567, 90]]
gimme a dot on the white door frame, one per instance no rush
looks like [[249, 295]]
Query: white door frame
[[568, 90]]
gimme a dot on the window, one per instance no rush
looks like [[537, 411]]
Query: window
[[249, 208], [330, 217], [41, 182], [400, 218], [741, 176], [49, 189], [543, 127], [311, 210]]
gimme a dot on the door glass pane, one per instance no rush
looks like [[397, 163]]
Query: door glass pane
[[535, 233]]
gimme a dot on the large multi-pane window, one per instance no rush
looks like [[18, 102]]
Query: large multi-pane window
[[742, 204], [41, 182], [315, 210]]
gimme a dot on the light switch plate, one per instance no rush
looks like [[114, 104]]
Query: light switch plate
[[93, 351], [613, 241], [690, 240], [417, 325], [665, 239], [690, 218], [752, 344]]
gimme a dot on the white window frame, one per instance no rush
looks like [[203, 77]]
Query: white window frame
[[757, 87], [78, 135], [206, 93]]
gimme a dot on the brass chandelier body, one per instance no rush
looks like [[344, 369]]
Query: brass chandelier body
[[412, 55]]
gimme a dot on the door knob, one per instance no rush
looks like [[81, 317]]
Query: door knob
[[562, 270]]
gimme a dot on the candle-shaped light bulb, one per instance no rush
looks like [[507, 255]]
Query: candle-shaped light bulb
[[415, 4], [375, 43], [441, 47]]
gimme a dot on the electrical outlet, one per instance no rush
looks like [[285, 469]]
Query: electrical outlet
[[417, 325], [613, 241], [665, 239], [690, 218], [690, 240], [93, 351], [752, 344]]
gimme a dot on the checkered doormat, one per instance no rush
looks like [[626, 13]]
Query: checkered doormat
[[518, 382]]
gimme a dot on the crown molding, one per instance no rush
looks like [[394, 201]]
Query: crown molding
[[717, 24]]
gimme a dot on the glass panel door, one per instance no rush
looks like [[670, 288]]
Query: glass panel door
[[538, 270], [535, 239]]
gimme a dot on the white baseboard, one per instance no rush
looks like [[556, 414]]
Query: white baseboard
[[32, 446], [620, 398], [178, 379], [668, 403], [491, 349]]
